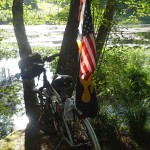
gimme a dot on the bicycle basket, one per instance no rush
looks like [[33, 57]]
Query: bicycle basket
[[29, 60], [33, 71]]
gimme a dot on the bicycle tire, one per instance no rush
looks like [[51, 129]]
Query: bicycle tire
[[80, 134]]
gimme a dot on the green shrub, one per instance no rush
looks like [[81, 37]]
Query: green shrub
[[137, 119], [123, 82]]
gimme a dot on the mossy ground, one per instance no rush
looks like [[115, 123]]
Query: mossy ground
[[14, 141]]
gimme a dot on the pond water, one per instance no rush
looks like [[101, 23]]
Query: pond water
[[51, 36], [42, 35], [131, 36]]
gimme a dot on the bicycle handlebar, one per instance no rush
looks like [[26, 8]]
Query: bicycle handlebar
[[35, 58], [50, 58], [32, 65]]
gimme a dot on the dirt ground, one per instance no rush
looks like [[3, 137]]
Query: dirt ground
[[15, 141]]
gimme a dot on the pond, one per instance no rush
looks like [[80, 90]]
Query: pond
[[131, 36], [51, 36]]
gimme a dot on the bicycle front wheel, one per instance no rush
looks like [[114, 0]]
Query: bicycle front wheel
[[80, 134]]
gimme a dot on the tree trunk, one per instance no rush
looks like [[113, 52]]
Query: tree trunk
[[68, 61], [32, 141], [105, 26]]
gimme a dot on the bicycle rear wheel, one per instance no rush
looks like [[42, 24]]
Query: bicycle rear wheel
[[80, 134]]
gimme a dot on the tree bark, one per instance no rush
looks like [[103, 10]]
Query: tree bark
[[32, 141], [105, 27], [68, 61]]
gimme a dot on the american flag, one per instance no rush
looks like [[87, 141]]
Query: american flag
[[87, 49], [86, 100]]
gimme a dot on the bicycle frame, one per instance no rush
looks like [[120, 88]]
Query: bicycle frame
[[54, 101]]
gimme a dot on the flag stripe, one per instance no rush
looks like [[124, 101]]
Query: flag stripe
[[93, 41], [93, 45], [87, 58], [84, 64], [91, 51]]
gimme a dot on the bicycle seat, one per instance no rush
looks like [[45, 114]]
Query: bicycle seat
[[62, 82]]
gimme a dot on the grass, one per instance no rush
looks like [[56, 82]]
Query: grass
[[14, 141]]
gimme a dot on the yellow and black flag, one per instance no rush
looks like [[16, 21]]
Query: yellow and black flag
[[86, 100]]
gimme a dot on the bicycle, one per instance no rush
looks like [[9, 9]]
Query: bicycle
[[55, 105]]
